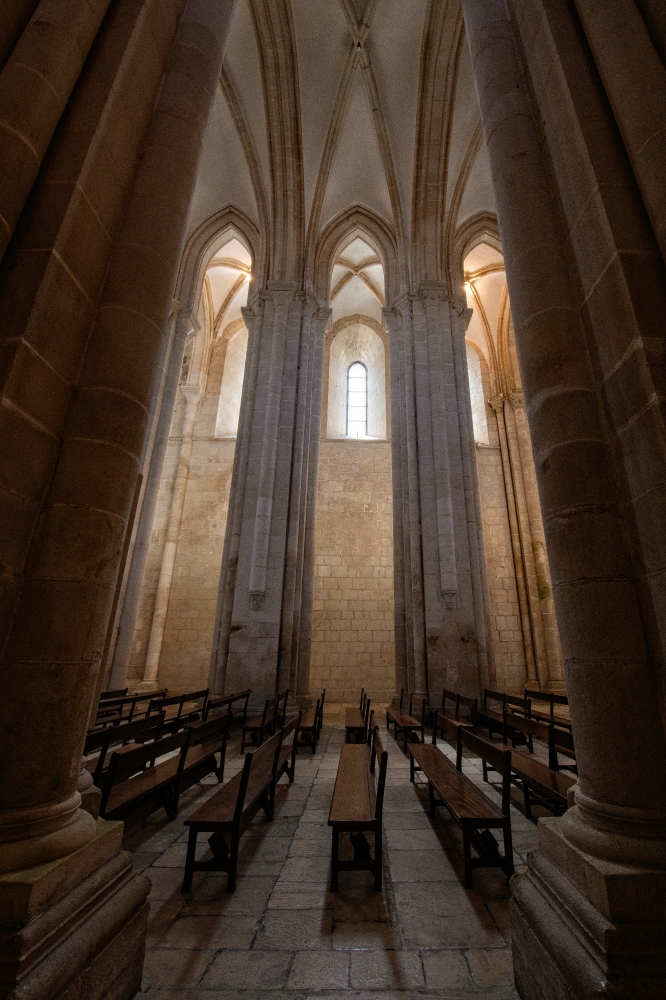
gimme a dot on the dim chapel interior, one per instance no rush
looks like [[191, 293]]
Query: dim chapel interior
[[333, 376]]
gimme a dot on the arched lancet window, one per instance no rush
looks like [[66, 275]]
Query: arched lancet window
[[357, 401]]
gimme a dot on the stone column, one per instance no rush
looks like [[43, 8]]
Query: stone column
[[588, 917], [497, 404], [546, 605], [193, 396], [132, 597]]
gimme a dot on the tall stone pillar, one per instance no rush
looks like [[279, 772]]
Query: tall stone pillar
[[262, 597], [441, 597], [153, 475], [589, 916], [59, 866]]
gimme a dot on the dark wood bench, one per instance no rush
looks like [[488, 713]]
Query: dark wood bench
[[208, 739], [356, 808], [492, 719], [230, 810], [118, 710], [539, 782], [134, 777], [257, 728], [121, 738], [311, 723], [473, 811], [181, 709], [356, 721], [118, 693], [216, 705], [286, 762], [406, 721], [464, 714], [560, 717]]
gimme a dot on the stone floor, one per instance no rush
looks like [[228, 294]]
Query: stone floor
[[283, 931]]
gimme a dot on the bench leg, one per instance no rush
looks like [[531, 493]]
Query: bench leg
[[378, 858], [526, 799], [335, 854], [189, 860], [508, 852], [431, 800], [467, 854], [411, 768]]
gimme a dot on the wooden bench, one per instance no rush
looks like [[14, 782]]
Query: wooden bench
[[118, 693], [230, 810], [311, 723], [208, 739], [356, 808], [117, 710], [286, 762], [356, 721], [405, 722], [492, 719], [283, 699], [227, 701], [181, 709], [121, 738], [446, 721], [473, 811], [128, 781], [539, 782], [262, 725], [560, 717]]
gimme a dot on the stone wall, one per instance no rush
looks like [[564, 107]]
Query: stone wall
[[352, 621]]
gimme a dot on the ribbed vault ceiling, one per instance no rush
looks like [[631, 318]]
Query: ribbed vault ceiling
[[327, 105]]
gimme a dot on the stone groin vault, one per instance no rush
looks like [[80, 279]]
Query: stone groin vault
[[213, 218]]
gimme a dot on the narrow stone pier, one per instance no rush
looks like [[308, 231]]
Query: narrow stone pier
[[282, 931]]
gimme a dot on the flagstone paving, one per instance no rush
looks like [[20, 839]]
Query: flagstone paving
[[282, 933]]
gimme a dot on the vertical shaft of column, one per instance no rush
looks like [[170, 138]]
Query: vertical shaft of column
[[538, 540], [15, 16], [50, 665], [448, 577], [254, 321], [620, 43], [618, 801], [35, 85], [524, 529], [459, 321], [132, 596], [264, 510], [497, 404], [149, 683], [320, 324]]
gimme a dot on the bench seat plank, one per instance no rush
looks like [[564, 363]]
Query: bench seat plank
[[141, 785], [462, 797], [354, 795]]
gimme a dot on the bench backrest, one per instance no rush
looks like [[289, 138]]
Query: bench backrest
[[523, 705], [378, 753], [361, 701], [500, 760], [210, 731], [111, 712], [489, 695], [525, 725], [148, 728], [216, 704], [270, 710], [123, 766], [469, 703], [549, 697], [449, 696], [418, 704], [283, 698], [266, 755], [119, 693], [560, 741]]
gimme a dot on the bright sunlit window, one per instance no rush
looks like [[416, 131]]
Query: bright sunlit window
[[357, 401]]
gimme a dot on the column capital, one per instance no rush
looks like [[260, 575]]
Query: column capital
[[282, 293], [497, 403], [517, 400]]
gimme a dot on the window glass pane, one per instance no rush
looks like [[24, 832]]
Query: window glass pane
[[357, 401]]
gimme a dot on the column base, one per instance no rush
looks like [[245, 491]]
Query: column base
[[147, 687], [586, 929], [75, 928]]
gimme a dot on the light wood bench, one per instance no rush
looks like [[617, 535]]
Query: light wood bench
[[216, 705], [230, 810], [406, 721], [357, 806], [128, 781], [473, 811]]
